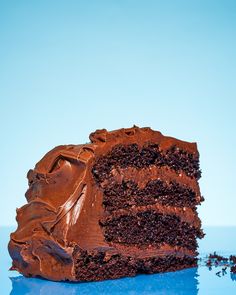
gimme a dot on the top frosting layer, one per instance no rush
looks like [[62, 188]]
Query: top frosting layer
[[139, 136]]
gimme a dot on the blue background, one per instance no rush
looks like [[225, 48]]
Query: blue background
[[70, 67]]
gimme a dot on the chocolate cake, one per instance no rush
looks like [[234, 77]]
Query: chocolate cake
[[123, 204]]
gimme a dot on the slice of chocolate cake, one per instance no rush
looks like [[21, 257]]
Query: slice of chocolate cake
[[121, 205]]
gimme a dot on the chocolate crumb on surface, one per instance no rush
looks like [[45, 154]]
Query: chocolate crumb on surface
[[233, 269], [214, 259], [232, 258]]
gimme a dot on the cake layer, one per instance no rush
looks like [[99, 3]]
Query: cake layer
[[99, 264], [131, 155], [127, 194], [143, 175], [151, 227]]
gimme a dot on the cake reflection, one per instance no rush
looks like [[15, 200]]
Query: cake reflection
[[184, 281]]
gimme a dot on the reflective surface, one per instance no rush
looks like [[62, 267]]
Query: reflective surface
[[199, 280]]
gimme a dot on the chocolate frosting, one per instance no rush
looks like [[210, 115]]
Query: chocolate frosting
[[64, 204]]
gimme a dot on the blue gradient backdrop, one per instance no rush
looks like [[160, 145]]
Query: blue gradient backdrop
[[70, 67]]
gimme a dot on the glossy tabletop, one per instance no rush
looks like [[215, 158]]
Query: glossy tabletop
[[199, 280]]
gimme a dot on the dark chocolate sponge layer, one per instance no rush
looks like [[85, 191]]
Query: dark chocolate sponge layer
[[150, 227], [69, 229], [99, 265], [127, 194], [131, 155]]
